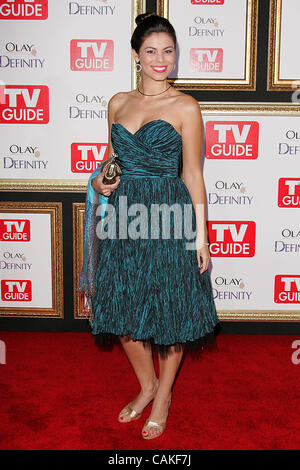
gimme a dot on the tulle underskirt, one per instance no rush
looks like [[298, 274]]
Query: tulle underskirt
[[108, 340]]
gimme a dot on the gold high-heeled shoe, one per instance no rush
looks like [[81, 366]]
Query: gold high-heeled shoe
[[161, 426], [130, 412]]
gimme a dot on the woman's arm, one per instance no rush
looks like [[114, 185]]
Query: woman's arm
[[192, 143]]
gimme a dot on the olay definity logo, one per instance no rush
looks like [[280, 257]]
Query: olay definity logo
[[206, 59], [232, 238], [23, 9], [16, 290], [86, 157], [207, 2], [287, 289], [289, 192], [16, 230], [92, 55], [231, 140], [24, 104]]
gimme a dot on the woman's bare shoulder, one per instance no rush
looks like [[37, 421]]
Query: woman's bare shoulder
[[117, 101], [187, 103], [118, 98], [186, 108]]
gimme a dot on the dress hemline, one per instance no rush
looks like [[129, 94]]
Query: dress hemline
[[108, 339]]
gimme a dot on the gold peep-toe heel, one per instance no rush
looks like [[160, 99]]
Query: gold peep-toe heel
[[160, 426], [130, 413]]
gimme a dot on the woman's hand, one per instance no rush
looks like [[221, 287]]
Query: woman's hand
[[105, 189], [203, 251]]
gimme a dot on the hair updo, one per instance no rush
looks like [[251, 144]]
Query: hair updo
[[148, 23]]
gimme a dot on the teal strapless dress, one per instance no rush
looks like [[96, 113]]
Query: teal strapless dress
[[150, 288]]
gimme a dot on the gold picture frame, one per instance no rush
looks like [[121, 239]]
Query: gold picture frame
[[275, 83], [78, 215], [54, 209], [248, 82]]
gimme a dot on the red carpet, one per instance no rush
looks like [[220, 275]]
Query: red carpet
[[59, 391]]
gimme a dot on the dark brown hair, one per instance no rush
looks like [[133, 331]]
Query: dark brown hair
[[148, 23]]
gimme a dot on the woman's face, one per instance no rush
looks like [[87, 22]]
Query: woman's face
[[157, 56]]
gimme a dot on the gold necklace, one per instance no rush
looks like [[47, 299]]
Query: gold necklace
[[153, 95]]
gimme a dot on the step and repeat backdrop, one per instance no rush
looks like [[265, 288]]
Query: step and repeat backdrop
[[60, 63]]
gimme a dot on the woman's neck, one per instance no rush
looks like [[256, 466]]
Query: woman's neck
[[153, 87]]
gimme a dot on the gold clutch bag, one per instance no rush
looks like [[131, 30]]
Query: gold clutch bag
[[111, 170]]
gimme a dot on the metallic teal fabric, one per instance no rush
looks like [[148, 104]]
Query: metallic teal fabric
[[149, 289]]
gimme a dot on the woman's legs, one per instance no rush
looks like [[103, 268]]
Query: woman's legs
[[167, 371], [143, 366]]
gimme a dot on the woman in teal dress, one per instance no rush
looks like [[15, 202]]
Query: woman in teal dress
[[146, 253]]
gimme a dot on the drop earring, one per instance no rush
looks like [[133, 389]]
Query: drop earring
[[138, 65]]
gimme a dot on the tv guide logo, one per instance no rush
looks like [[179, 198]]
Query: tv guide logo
[[14, 230], [231, 140], [232, 238], [289, 192], [24, 104], [23, 9], [207, 2], [19, 290], [206, 59], [287, 289], [92, 55], [86, 157]]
